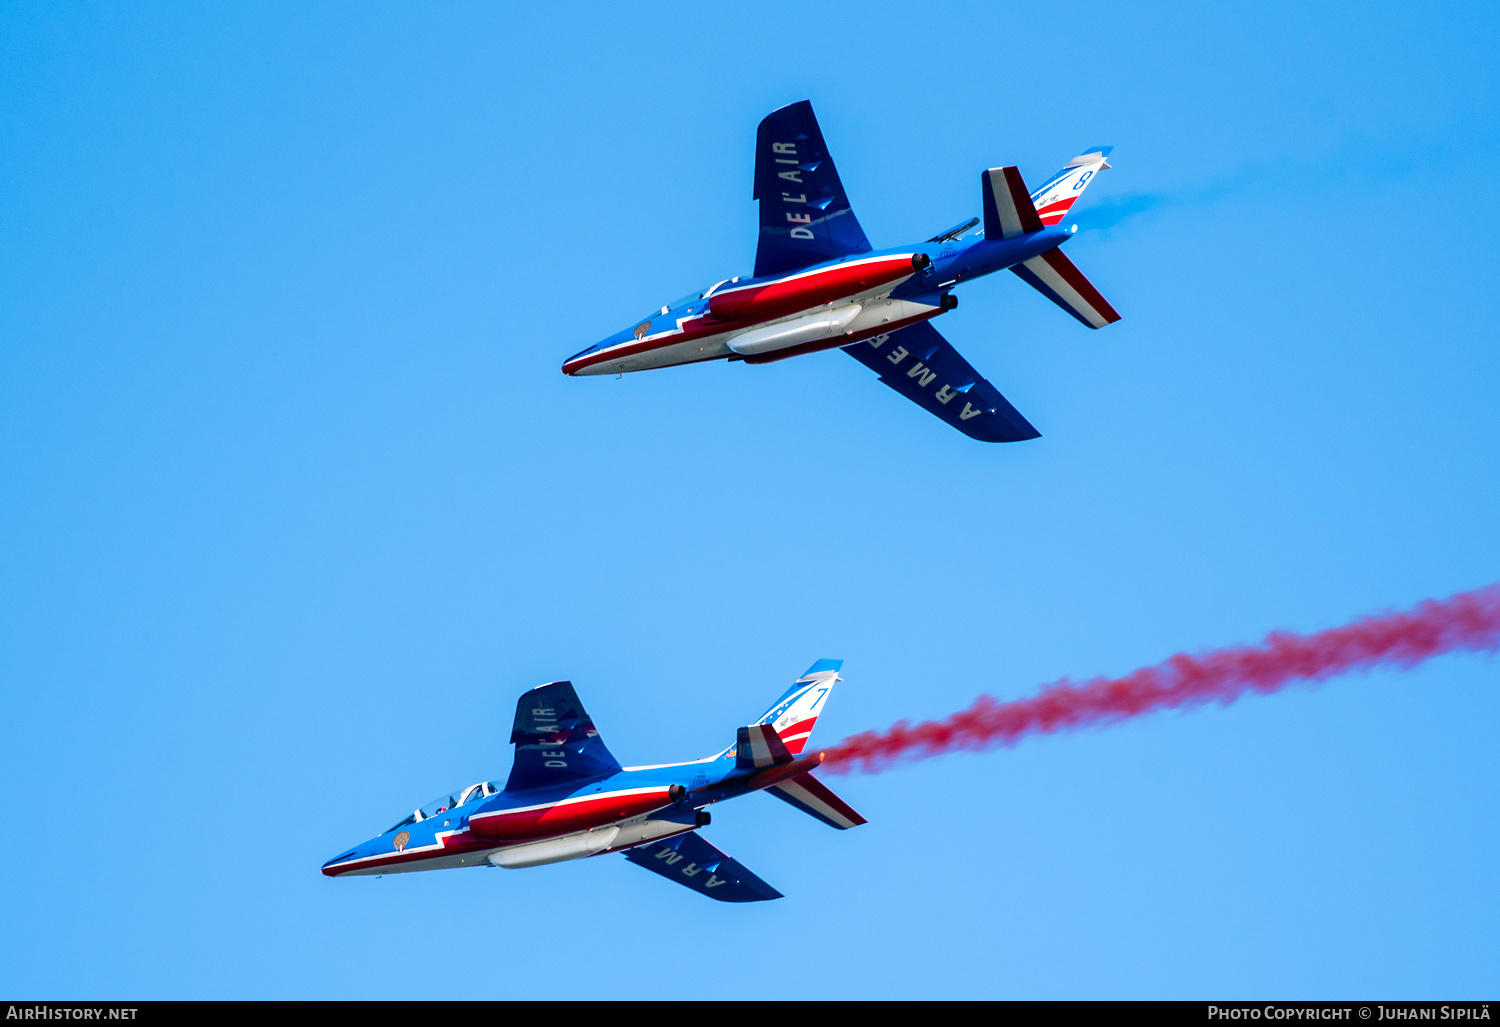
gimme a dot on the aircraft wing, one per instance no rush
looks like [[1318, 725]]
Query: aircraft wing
[[925, 368], [691, 861], [805, 217], [555, 739]]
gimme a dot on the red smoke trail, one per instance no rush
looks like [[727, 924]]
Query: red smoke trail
[[1468, 621]]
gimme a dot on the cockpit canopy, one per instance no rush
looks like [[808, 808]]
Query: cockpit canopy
[[449, 801], [701, 294]]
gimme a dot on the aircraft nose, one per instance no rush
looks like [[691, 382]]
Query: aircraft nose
[[329, 868], [570, 366]]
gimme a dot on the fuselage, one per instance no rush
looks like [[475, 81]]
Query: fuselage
[[487, 825], [830, 304]]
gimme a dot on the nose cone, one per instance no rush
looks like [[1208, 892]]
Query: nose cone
[[345, 861], [584, 361], [592, 361]]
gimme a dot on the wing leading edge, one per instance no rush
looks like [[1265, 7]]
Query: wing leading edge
[[805, 217], [925, 368]]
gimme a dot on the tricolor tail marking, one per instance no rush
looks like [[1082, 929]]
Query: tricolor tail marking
[[797, 710], [815, 798], [1054, 199], [758, 747], [1008, 210], [1054, 276]]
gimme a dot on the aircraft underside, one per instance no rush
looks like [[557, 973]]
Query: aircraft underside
[[874, 319], [819, 284], [830, 324]]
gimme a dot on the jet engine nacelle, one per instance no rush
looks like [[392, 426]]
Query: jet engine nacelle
[[808, 328], [812, 288], [600, 839]]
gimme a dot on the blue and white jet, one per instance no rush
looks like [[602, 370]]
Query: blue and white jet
[[818, 284], [567, 798]]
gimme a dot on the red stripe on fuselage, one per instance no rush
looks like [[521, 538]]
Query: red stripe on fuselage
[[754, 303], [504, 827], [450, 844], [692, 328], [824, 285], [566, 817]]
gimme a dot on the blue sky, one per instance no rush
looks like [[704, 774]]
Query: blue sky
[[296, 501]]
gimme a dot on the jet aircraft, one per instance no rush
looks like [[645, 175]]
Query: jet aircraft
[[818, 284], [567, 797]]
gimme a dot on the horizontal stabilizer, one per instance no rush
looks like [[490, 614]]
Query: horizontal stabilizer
[[925, 368], [1008, 210], [814, 798], [1054, 276], [759, 746], [692, 862]]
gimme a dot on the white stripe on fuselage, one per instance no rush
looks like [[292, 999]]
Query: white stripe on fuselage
[[708, 347], [812, 272], [590, 797], [879, 310], [437, 847], [688, 763]]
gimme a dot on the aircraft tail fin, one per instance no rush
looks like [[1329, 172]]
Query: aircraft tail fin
[[815, 799], [1054, 199], [1054, 276], [758, 746], [794, 714], [1008, 210]]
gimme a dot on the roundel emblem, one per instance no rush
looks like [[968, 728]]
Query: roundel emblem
[[641, 329], [401, 840]]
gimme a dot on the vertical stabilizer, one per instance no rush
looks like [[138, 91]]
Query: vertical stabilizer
[[1054, 199], [797, 710]]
